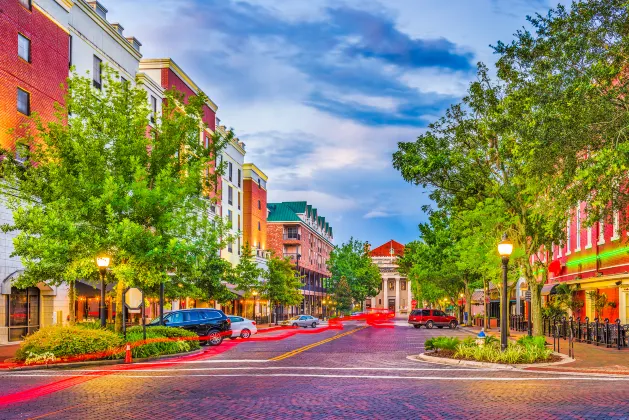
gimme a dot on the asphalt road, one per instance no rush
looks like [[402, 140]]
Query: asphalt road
[[358, 373]]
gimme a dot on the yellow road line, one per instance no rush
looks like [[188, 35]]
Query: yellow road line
[[318, 343]]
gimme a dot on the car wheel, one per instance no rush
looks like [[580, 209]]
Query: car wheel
[[214, 338], [245, 333], [429, 324], [453, 325], [295, 325], [314, 325], [417, 326]]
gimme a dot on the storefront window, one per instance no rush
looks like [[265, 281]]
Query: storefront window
[[23, 312]]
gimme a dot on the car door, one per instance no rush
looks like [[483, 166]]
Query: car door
[[439, 318], [174, 320], [237, 323], [192, 322], [303, 321]]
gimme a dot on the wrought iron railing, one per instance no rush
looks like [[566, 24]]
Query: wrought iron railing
[[606, 333]]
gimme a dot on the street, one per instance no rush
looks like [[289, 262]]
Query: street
[[359, 372]]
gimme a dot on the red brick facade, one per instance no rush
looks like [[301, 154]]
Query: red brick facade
[[254, 214], [41, 78]]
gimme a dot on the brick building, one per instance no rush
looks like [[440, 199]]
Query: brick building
[[593, 260], [34, 60], [255, 210], [295, 230]]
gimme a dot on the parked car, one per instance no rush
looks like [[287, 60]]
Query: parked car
[[206, 322], [302, 321], [242, 327], [431, 318]]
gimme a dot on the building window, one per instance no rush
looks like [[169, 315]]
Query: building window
[[601, 232], [230, 247], [238, 222], [589, 238], [402, 284], [96, 75], [391, 285], [560, 250], [239, 177], [230, 216], [239, 245], [153, 108], [259, 205], [292, 233], [239, 200], [568, 237], [577, 246], [231, 170], [259, 183], [24, 47], [230, 195], [616, 225], [23, 102], [26, 3], [259, 226]]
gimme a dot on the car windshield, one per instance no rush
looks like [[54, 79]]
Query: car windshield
[[294, 318]]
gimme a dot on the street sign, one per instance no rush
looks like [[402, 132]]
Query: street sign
[[133, 298]]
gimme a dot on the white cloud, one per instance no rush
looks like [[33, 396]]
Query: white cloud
[[373, 214]]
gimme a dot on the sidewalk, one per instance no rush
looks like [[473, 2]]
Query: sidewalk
[[588, 357], [8, 351]]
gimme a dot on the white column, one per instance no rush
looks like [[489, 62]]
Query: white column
[[397, 295], [385, 292], [409, 295]]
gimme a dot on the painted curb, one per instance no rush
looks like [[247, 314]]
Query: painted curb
[[423, 357], [103, 362]]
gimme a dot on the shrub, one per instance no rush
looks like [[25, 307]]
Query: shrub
[[515, 353], [491, 340], [442, 343], [533, 341], [189, 341], [67, 341]]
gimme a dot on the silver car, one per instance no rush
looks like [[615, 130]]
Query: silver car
[[302, 321]]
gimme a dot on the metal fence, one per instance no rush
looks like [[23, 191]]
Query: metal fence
[[518, 323], [608, 334]]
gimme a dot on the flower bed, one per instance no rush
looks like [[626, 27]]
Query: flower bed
[[526, 350], [85, 342]]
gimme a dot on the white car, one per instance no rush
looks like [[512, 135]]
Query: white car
[[302, 321], [242, 327]]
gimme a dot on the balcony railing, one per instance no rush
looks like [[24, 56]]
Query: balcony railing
[[292, 236], [292, 256], [264, 254]]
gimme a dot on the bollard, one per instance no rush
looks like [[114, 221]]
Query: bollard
[[596, 324], [588, 338], [618, 333], [127, 354], [563, 326], [608, 341]]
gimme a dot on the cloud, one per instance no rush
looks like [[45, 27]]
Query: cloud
[[377, 214]]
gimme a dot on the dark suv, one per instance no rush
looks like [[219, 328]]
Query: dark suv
[[206, 322], [430, 318]]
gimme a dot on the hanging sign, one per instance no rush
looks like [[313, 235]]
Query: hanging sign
[[133, 298]]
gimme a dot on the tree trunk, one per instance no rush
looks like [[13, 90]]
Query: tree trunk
[[119, 306], [536, 307], [468, 301], [71, 303], [486, 303]]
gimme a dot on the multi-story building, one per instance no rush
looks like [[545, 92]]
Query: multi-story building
[[395, 291], [255, 211], [295, 230], [233, 159], [34, 59], [594, 261]]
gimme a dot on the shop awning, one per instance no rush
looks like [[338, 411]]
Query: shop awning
[[478, 295], [85, 289], [549, 289]]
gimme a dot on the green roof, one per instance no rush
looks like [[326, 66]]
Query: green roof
[[288, 211], [280, 212]]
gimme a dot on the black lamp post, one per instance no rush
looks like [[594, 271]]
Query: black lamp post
[[461, 310], [505, 248], [102, 263]]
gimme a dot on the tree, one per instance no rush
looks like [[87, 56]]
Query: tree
[[282, 285], [95, 181], [343, 296], [351, 260], [475, 153], [247, 273]]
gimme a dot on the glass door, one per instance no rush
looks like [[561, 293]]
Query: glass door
[[23, 313]]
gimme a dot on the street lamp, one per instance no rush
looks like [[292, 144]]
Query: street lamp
[[102, 263], [505, 248]]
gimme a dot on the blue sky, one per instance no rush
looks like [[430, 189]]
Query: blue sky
[[321, 91]]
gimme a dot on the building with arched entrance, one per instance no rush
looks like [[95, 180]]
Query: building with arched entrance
[[395, 292]]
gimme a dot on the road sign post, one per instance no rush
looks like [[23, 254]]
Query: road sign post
[[134, 299]]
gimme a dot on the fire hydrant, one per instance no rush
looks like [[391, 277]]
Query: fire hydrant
[[480, 338]]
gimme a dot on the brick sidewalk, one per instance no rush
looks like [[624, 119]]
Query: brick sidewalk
[[588, 357]]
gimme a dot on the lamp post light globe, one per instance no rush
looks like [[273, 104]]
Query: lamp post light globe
[[102, 263], [505, 248]]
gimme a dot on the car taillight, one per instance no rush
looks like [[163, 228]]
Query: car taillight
[[253, 322], [229, 321]]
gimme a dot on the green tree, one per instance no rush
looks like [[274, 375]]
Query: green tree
[[282, 285], [351, 260], [343, 296], [95, 181], [247, 273]]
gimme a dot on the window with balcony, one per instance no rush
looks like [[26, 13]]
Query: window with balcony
[[23, 102], [96, 72], [24, 48]]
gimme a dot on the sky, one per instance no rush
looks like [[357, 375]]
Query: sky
[[322, 91]]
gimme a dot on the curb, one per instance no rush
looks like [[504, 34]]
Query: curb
[[103, 362], [458, 362]]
